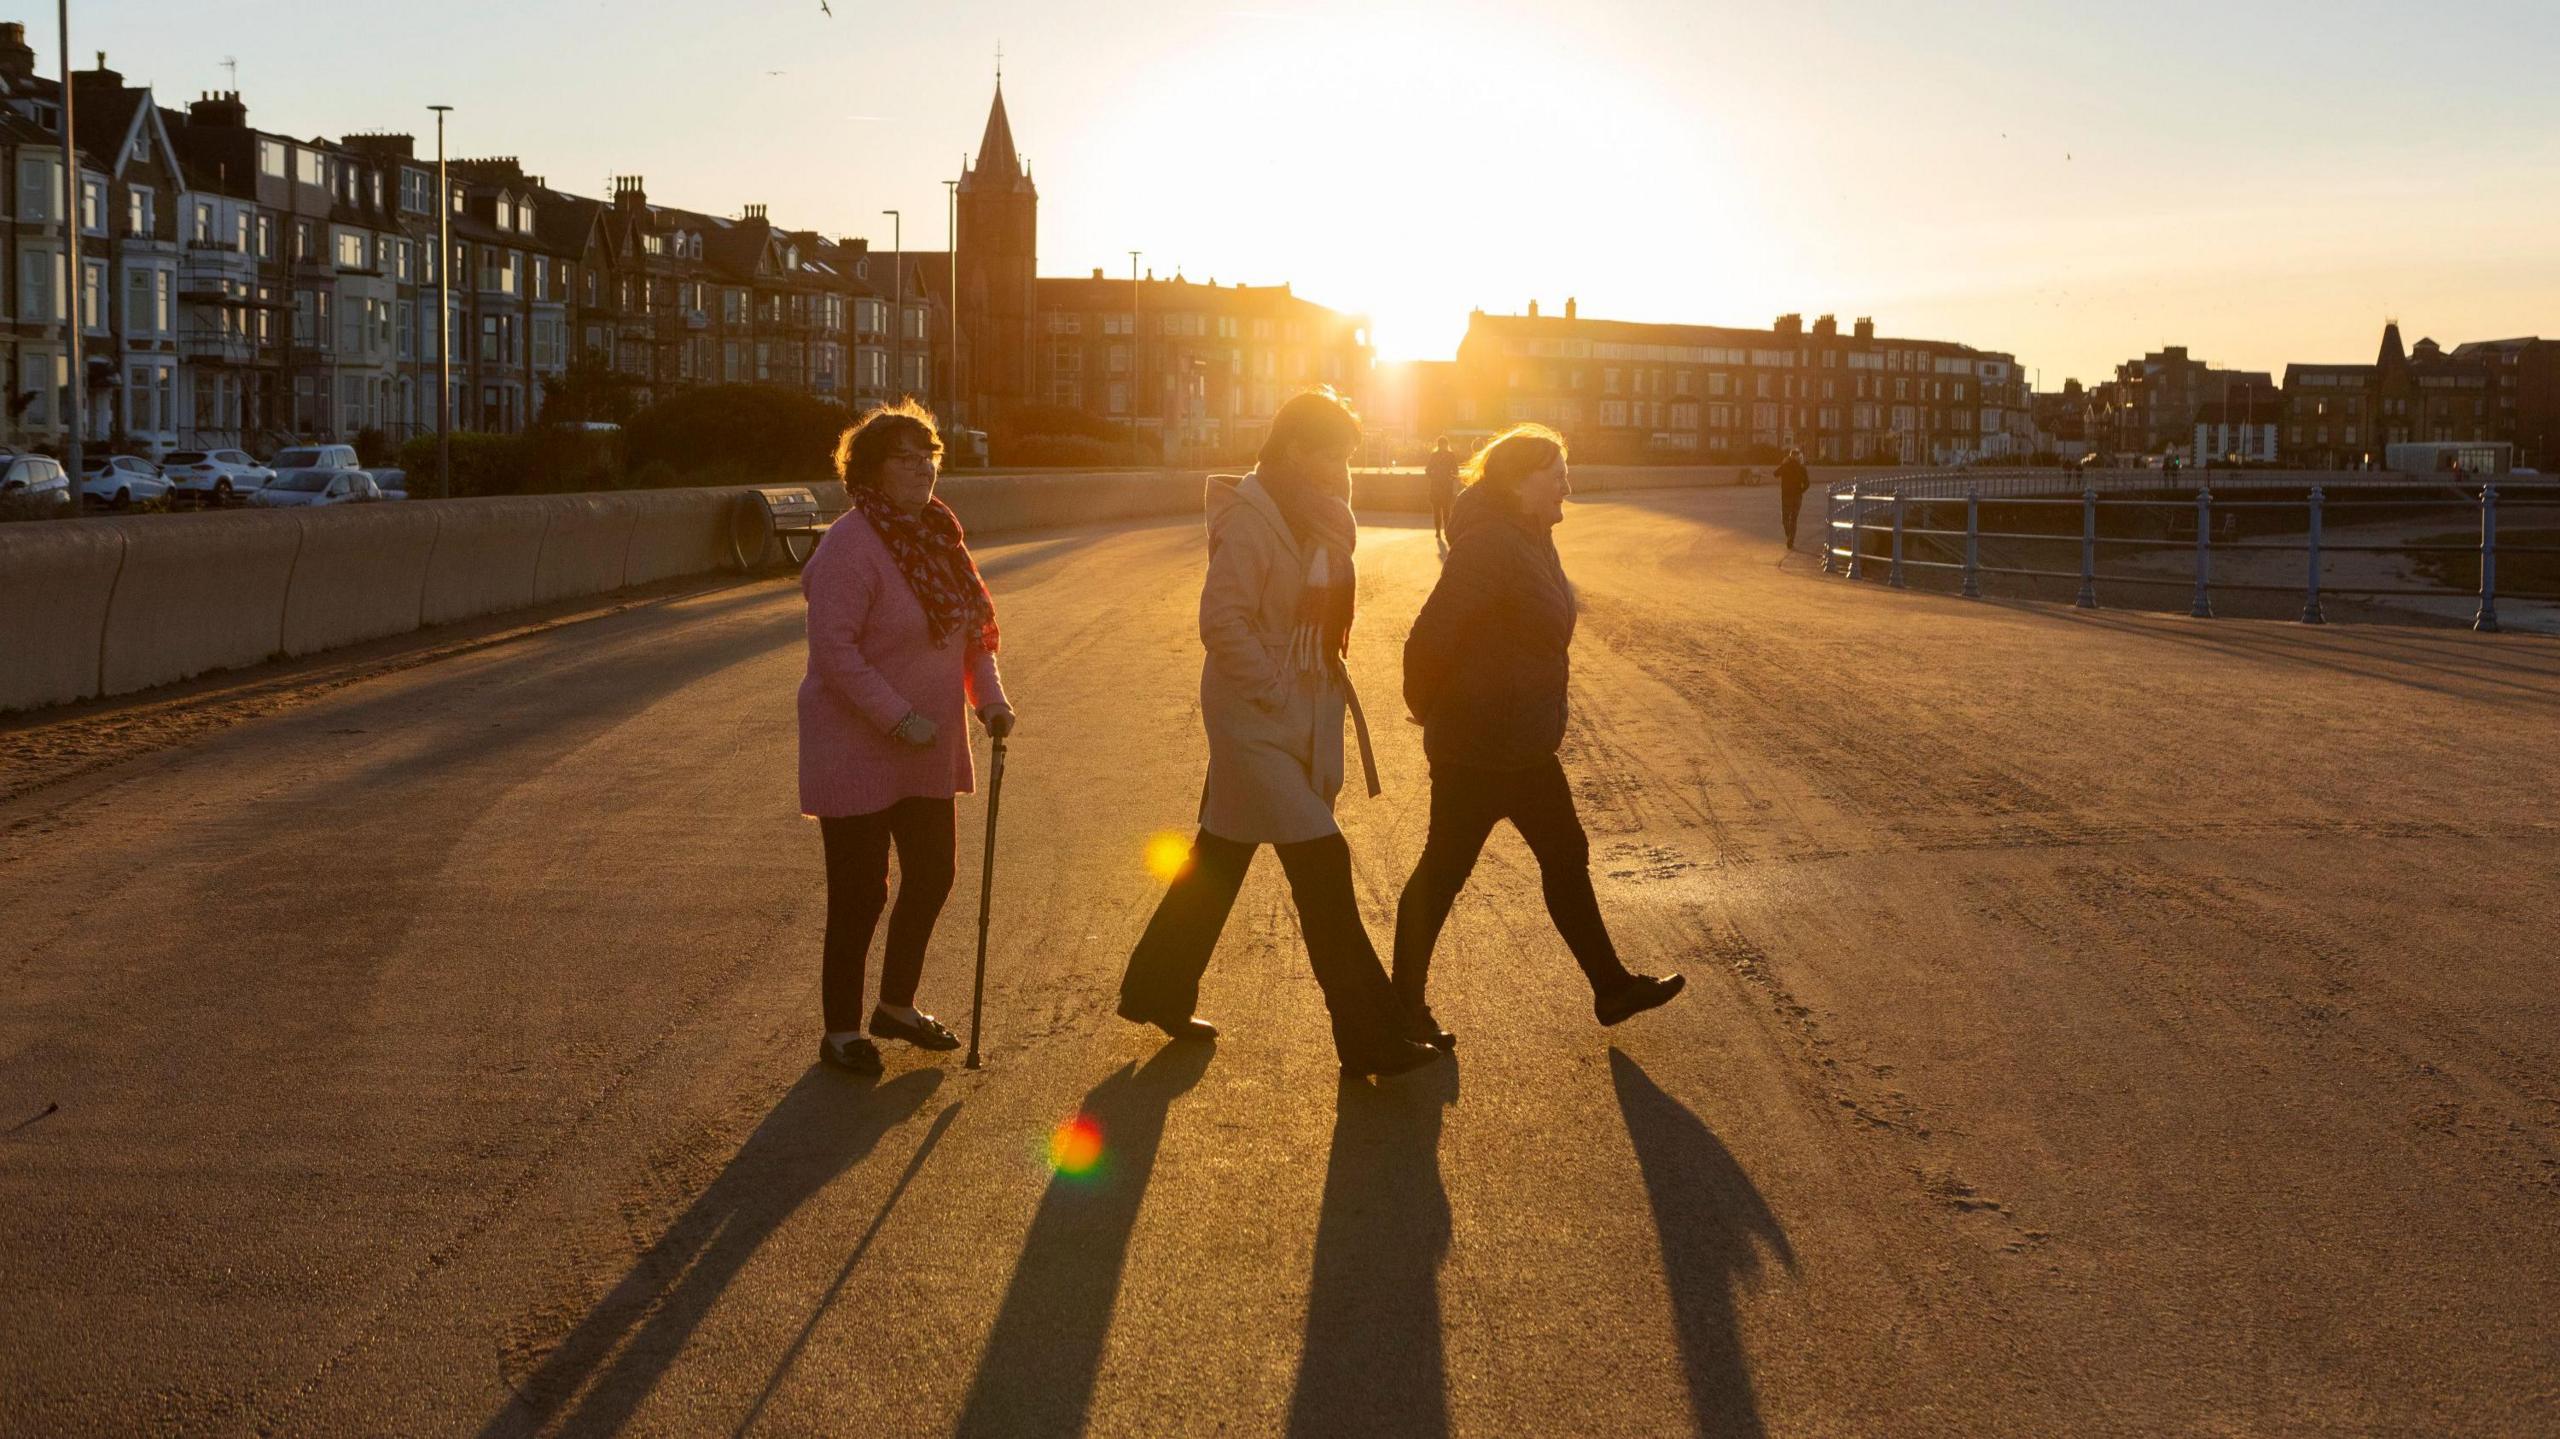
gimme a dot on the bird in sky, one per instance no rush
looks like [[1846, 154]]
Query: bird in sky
[[826, 10]]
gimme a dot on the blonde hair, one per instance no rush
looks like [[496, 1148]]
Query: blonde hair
[[861, 449], [1519, 451]]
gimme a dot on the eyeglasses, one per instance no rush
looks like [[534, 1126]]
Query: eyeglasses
[[912, 457]]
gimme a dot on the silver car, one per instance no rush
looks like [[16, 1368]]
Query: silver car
[[213, 476], [34, 480], [298, 489]]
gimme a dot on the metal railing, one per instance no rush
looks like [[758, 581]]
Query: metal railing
[[2257, 512]]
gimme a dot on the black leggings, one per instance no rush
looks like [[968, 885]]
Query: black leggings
[[858, 888], [1163, 980], [1466, 803]]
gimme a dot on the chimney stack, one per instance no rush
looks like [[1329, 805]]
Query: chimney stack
[[1533, 309], [1827, 328], [1570, 308], [629, 194], [1789, 325], [17, 57], [220, 109], [1865, 329], [754, 212]]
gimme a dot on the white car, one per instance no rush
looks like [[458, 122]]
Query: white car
[[390, 484], [121, 480], [213, 476], [34, 479], [302, 488]]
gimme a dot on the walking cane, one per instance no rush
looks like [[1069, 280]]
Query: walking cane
[[986, 896]]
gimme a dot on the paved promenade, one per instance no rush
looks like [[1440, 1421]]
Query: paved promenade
[[2099, 1023]]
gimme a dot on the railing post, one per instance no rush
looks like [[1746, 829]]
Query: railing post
[[2487, 620], [2088, 596], [1972, 541], [2311, 588], [1830, 529], [1893, 577], [1857, 514], [2203, 607]]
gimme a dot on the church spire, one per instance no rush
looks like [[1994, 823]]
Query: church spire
[[996, 155]]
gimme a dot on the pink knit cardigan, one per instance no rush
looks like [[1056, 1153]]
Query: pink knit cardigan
[[870, 662]]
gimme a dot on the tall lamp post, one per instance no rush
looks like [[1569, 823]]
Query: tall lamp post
[[951, 291], [897, 304], [444, 318], [76, 385], [1137, 372]]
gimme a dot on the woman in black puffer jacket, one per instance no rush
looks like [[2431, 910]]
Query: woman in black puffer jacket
[[1484, 673]]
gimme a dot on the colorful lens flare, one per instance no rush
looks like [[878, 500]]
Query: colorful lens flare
[[1167, 853], [1075, 1147]]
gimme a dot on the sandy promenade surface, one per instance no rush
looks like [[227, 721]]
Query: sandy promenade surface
[[2098, 1023]]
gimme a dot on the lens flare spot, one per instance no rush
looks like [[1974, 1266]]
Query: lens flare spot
[[1075, 1147], [1167, 853]]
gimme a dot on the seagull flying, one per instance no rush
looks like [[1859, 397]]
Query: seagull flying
[[824, 10]]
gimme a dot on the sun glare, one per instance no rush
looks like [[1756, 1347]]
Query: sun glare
[[1167, 853], [1075, 1147]]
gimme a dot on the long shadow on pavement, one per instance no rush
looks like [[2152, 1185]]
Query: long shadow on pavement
[[1712, 1224], [616, 1355], [1045, 1349], [1373, 1361]]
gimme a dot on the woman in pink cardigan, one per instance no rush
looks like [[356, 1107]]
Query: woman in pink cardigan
[[902, 643]]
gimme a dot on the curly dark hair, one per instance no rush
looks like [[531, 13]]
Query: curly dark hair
[[861, 450]]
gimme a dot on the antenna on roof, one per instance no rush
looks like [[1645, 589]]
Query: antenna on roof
[[232, 64], [999, 64]]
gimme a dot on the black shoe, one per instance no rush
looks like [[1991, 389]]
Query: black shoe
[[926, 1033], [1637, 994], [857, 1054], [1190, 1027], [1424, 1028], [1387, 1057]]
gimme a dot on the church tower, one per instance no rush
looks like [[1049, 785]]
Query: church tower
[[999, 234]]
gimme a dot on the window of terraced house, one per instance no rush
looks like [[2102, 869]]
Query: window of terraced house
[[351, 248], [310, 167]]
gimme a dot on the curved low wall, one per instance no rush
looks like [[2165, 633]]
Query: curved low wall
[[113, 605], [56, 581]]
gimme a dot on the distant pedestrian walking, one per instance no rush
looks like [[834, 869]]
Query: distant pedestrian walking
[[1485, 671], [1440, 475], [902, 641], [1793, 481], [1275, 618]]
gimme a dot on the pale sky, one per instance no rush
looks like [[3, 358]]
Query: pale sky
[[2260, 180]]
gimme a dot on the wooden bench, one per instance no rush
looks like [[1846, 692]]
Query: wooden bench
[[792, 516]]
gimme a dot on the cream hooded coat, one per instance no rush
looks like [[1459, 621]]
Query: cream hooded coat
[[1275, 731]]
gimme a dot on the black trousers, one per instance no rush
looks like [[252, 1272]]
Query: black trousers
[[1440, 507], [1164, 971], [1466, 803], [1790, 500], [858, 889]]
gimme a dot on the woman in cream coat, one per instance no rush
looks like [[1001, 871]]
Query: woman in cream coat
[[1275, 618]]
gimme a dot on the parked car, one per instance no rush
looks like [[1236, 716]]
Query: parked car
[[392, 484], [34, 480], [213, 476], [120, 480], [313, 457], [304, 487]]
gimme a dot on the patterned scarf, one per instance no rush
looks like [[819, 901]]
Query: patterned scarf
[[1323, 522], [931, 552]]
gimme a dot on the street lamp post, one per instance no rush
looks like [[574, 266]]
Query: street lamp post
[[1137, 372], [951, 290], [444, 318], [897, 304], [75, 388]]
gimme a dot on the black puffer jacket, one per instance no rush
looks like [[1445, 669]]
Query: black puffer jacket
[[1486, 664]]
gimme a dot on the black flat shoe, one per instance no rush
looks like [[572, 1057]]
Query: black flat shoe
[[857, 1054], [1425, 1029], [1191, 1027], [1640, 993], [1389, 1057], [927, 1033]]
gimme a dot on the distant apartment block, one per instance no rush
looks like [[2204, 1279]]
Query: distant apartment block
[[1621, 389]]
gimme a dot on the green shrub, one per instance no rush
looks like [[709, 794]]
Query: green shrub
[[765, 432]]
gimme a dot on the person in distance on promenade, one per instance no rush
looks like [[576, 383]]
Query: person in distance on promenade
[[1793, 481], [1275, 618], [1484, 673], [902, 642], [1440, 475]]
